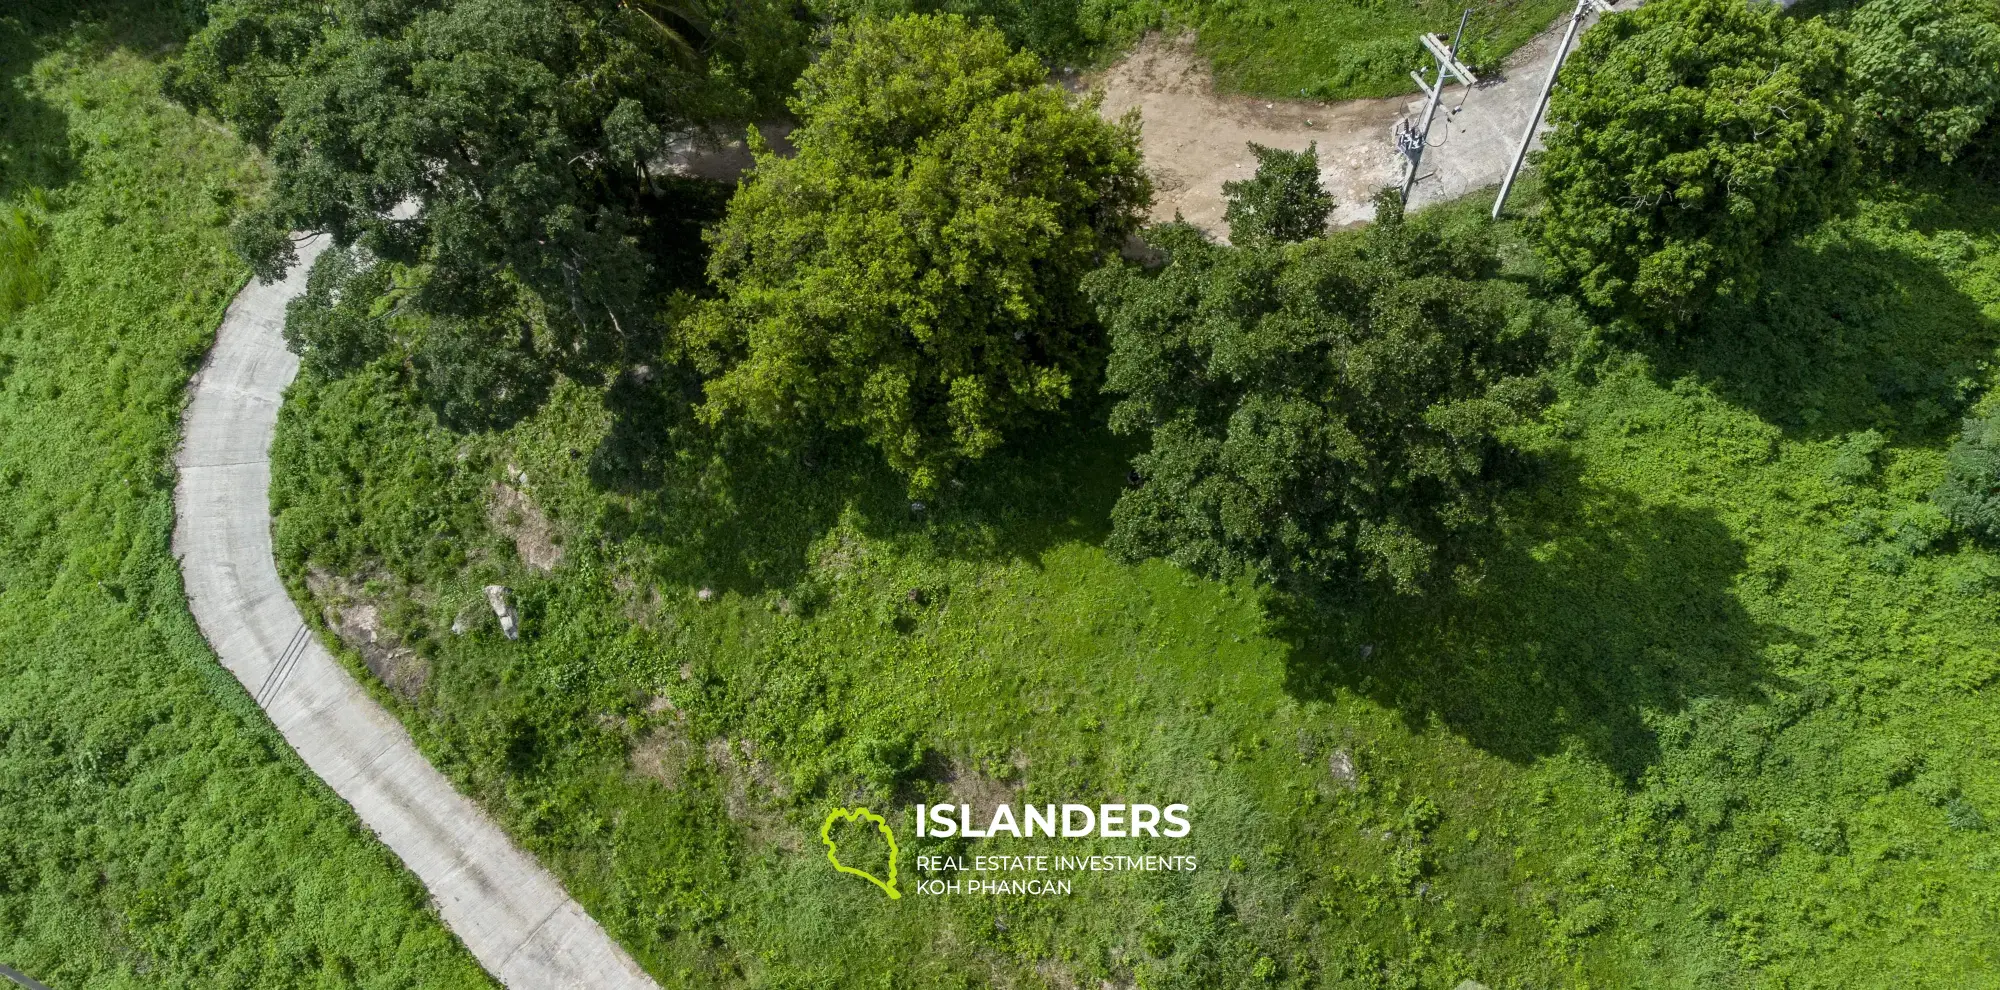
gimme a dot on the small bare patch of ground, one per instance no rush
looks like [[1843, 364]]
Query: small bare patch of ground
[[663, 754], [357, 619], [969, 786], [515, 516], [1340, 764], [751, 792], [722, 156]]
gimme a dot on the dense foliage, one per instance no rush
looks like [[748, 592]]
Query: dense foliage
[[1927, 75], [497, 150], [1970, 494], [1283, 202], [1712, 714], [1315, 411], [1691, 136], [912, 272], [155, 830]]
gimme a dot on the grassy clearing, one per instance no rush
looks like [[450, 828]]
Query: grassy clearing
[[1719, 711], [1298, 49], [1345, 49], [154, 831]]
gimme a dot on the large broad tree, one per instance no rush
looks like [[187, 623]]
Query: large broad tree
[[1690, 135], [1927, 74], [912, 272], [1319, 411], [497, 152]]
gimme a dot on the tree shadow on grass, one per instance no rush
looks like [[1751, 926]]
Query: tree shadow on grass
[[1592, 618], [1847, 335], [34, 133], [740, 510]]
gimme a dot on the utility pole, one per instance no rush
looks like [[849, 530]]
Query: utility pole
[[1584, 8], [1412, 139]]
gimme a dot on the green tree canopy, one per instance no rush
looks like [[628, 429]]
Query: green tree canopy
[[1690, 135], [1318, 410], [497, 149], [1283, 202], [912, 273], [1927, 75]]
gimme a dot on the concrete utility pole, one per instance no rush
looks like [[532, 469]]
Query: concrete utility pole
[[1412, 139], [1584, 8]]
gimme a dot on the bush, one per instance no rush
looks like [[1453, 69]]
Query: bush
[[1284, 202], [1927, 74], [1690, 136], [1970, 494], [1315, 410], [912, 273]]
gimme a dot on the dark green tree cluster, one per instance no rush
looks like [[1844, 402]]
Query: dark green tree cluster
[[1322, 410], [912, 273], [1692, 135], [496, 152], [1927, 75]]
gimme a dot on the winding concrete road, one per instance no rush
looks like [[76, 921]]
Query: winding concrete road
[[512, 914]]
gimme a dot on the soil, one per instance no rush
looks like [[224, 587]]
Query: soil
[[1196, 139]]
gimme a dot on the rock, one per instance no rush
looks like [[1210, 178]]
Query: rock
[[496, 596], [1341, 765], [705, 594]]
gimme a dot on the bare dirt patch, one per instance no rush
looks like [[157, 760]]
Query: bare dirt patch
[[356, 618], [514, 515], [1195, 138], [663, 755], [753, 792]]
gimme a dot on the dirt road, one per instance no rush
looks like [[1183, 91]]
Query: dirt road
[[1196, 139]]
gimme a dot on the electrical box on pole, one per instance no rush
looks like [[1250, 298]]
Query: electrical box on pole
[[1411, 139]]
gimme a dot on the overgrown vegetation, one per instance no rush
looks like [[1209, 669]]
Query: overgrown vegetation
[[1714, 712], [154, 830]]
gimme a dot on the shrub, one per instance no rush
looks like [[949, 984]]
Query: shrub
[[1284, 202], [1970, 494], [1927, 74]]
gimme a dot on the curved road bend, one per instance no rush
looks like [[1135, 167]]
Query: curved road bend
[[517, 920]]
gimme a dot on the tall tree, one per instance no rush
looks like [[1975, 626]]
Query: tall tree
[[912, 272], [1690, 135], [1316, 411], [495, 149]]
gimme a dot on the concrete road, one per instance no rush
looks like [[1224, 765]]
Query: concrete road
[[512, 914]]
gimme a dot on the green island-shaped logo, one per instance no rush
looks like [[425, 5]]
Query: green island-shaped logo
[[833, 850]]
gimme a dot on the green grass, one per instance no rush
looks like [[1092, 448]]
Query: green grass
[[1719, 711], [1344, 49], [154, 830], [1297, 49]]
